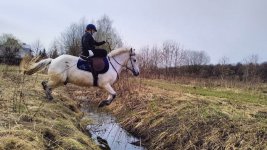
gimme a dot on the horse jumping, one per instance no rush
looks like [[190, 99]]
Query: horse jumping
[[63, 69]]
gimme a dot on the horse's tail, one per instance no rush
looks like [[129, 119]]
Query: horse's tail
[[37, 66]]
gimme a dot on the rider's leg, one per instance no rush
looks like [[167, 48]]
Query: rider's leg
[[99, 53]]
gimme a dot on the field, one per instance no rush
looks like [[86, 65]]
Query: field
[[165, 114], [171, 115]]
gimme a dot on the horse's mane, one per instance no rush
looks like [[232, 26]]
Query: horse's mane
[[118, 51]]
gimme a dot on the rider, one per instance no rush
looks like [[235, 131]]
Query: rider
[[88, 43]]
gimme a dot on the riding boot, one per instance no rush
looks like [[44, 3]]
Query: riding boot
[[94, 73]]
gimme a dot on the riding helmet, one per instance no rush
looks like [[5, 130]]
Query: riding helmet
[[91, 27]]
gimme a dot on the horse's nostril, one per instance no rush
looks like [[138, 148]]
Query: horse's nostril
[[136, 73]]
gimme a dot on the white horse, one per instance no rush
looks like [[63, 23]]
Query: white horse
[[64, 69]]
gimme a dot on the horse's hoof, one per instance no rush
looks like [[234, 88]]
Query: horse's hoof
[[103, 103], [44, 85], [50, 98]]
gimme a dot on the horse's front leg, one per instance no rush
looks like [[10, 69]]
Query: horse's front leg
[[111, 96]]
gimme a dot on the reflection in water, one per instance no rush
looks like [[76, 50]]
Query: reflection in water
[[107, 133]]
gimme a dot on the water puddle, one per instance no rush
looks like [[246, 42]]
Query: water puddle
[[108, 133]]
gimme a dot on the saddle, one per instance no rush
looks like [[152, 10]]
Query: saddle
[[95, 65]]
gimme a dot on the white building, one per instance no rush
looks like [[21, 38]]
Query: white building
[[25, 50]]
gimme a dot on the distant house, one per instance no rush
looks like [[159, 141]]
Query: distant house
[[22, 52]]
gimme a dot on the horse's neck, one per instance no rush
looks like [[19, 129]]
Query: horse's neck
[[119, 61]]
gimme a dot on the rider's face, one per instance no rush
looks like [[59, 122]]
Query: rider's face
[[93, 31]]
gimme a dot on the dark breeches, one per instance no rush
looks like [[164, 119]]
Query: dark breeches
[[99, 53]]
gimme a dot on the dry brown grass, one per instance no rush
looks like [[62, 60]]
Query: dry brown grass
[[172, 115], [28, 121]]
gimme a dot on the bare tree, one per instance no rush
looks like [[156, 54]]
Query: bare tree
[[251, 59], [54, 49], [106, 32], [171, 55], [156, 57], [37, 47], [166, 52], [71, 40], [177, 55], [250, 67], [224, 60], [195, 57], [224, 70], [144, 58]]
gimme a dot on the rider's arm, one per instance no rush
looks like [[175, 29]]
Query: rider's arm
[[99, 43]]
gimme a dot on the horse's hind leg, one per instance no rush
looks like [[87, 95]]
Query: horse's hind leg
[[48, 90], [53, 82], [48, 86], [111, 97]]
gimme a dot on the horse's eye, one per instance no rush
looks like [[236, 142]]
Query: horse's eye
[[134, 60]]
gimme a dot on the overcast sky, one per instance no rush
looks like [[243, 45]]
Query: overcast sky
[[232, 28]]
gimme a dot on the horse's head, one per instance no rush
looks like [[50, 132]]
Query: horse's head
[[133, 63], [126, 57]]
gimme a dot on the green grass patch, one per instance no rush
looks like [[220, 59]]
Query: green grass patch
[[243, 96]]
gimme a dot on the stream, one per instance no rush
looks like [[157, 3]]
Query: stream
[[107, 133]]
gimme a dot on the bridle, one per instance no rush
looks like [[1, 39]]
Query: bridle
[[123, 66]]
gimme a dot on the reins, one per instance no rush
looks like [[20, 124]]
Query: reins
[[118, 77]]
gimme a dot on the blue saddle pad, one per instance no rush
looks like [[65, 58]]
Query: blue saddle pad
[[84, 65]]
